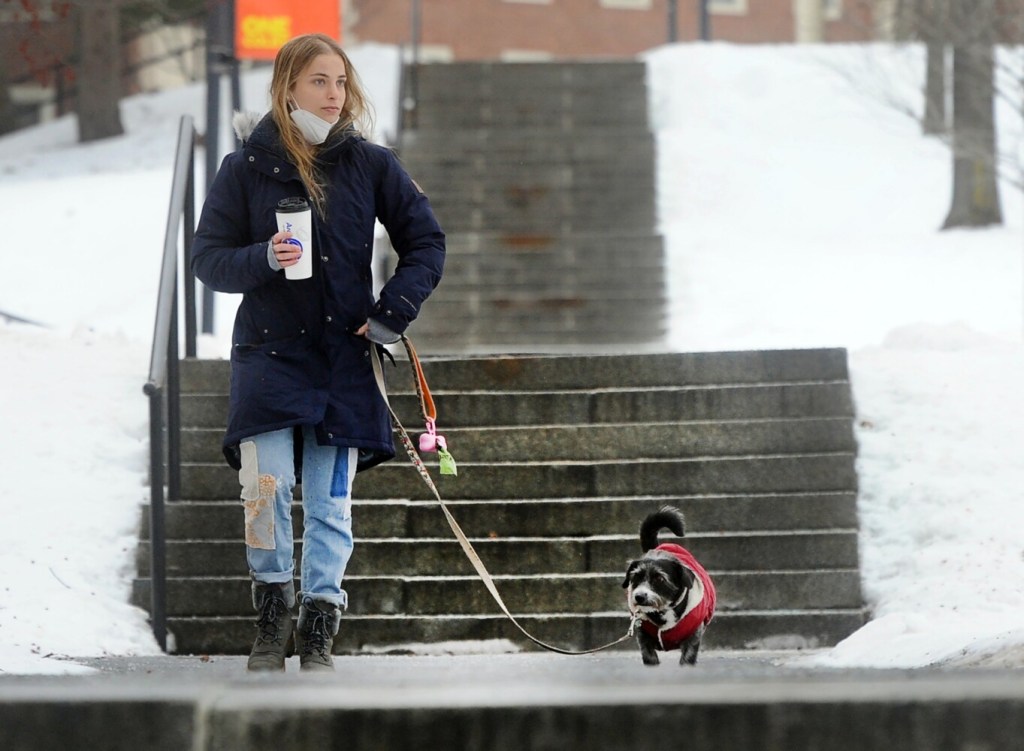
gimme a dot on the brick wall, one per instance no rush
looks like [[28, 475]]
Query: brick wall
[[493, 29]]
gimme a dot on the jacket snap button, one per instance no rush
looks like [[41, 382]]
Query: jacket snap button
[[328, 319], [252, 159], [323, 258], [330, 435], [276, 170], [389, 313]]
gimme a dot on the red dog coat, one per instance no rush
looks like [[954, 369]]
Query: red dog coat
[[700, 614]]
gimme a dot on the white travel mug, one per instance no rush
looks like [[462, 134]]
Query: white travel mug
[[293, 215]]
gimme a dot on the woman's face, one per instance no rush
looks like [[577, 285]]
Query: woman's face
[[320, 87]]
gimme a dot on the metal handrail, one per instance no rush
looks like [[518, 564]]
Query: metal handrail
[[164, 414]]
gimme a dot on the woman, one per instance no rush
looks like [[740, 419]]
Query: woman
[[304, 402]]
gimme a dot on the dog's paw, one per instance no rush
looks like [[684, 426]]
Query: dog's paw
[[650, 658], [689, 654]]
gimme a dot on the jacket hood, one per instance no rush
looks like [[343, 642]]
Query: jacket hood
[[244, 123]]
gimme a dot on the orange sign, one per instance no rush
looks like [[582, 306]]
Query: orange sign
[[262, 26]]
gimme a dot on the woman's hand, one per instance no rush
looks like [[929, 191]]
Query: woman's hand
[[286, 253], [363, 330]]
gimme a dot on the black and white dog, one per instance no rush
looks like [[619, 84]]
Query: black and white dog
[[668, 591]]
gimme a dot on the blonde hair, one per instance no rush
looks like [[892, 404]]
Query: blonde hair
[[291, 60]]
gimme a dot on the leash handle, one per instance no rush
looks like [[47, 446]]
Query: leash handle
[[467, 546]]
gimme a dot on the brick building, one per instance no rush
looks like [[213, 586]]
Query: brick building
[[558, 29], [38, 73]]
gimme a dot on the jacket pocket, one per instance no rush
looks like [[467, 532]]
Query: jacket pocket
[[278, 381]]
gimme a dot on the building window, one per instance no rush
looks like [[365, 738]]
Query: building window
[[526, 56], [728, 7], [833, 9], [627, 4]]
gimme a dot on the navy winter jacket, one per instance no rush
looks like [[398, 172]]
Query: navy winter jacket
[[295, 358]]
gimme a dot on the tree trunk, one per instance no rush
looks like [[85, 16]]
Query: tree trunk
[[975, 188], [7, 122], [99, 73], [929, 22], [934, 122]]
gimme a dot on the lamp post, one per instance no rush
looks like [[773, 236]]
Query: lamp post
[[220, 59], [412, 94]]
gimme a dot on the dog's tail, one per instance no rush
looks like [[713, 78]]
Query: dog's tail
[[668, 518]]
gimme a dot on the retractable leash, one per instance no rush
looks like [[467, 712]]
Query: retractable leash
[[431, 441]]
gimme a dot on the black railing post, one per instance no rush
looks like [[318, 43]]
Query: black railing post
[[189, 277], [164, 377], [173, 407], [157, 536]]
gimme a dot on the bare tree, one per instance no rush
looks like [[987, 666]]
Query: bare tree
[[933, 36], [6, 108], [966, 30], [99, 76], [973, 28]]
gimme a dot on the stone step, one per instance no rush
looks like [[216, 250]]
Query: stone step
[[767, 629], [531, 203], [538, 149], [573, 517], [627, 202], [748, 551], [628, 108], [632, 157], [609, 441], [615, 406], [541, 277], [197, 520], [527, 309], [586, 113], [697, 476], [499, 173], [549, 593], [533, 88], [462, 219], [568, 372], [461, 76], [530, 145], [464, 247]]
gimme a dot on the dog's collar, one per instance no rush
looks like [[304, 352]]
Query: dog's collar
[[681, 600]]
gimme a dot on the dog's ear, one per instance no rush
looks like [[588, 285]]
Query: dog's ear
[[633, 566], [682, 576], [688, 577]]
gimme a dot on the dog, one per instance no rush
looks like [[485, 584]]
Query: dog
[[668, 591]]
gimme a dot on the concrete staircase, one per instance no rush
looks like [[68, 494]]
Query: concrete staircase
[[559, 459], [542, 175]]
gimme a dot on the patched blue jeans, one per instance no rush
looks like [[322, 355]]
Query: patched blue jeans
[[268, 479]]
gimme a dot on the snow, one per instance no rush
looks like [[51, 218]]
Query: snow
[[800, 208]]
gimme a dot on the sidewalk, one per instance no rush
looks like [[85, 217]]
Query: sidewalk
[[732, 700]]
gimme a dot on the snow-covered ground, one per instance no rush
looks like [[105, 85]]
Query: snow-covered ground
[[800, 208]]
